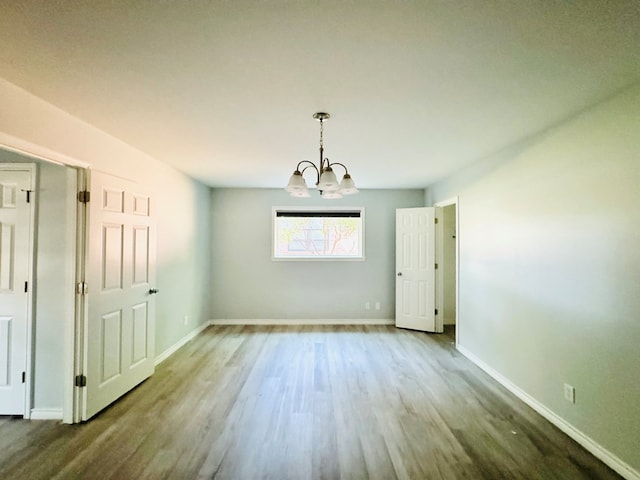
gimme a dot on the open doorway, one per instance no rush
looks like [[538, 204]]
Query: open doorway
[[447, 273], [48, 372]]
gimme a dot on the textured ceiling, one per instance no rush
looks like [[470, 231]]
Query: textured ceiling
[[225, 90]]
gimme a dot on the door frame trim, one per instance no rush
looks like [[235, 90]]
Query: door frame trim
[[33, 182], [441, 204], [75, 349], [17, 145]]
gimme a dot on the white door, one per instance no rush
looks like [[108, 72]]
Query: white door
[[415, 269], [119, 332], [15, 253]]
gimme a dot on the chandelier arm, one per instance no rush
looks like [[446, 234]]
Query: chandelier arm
[[303, 162], [337, 163], [309, 164]]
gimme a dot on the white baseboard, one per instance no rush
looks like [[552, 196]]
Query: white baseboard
[[597, 450], [303, 321], [46, 414], [176, 346]]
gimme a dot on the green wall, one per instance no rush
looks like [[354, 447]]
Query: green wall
[[248, 284], [550, 269], [181, 207]]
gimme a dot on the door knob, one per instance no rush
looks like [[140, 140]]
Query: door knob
[[399, 274], [153, 291]]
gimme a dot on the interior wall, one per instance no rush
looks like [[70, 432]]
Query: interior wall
[[182, 204], [184, 246], [247, 284], [550, 269], [449, 257], [55, 281]]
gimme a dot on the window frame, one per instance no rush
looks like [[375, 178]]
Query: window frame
[[316, 209]]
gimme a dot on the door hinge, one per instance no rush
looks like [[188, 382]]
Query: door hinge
[[26, 287], [435, 220], [436, 311], [24, 377], [82, 288], [436, 266], [84, 196], [81, 381]]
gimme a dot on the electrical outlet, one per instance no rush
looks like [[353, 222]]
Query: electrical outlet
[[377, 305], [569, 393], [186, 319], [367, 305]]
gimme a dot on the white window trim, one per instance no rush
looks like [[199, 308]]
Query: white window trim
[[274, 210]]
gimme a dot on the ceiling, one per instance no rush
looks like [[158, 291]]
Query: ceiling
[[225, 90]]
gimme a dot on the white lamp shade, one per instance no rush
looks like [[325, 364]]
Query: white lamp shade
[[331, 194], [296, 183], [347, 187], [328, 180]]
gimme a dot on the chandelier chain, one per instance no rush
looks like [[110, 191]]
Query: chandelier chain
[[321, 134]]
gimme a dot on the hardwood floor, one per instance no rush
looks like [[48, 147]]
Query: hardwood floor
[[305, 403]]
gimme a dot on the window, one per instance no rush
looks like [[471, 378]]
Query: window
[[318, 234]]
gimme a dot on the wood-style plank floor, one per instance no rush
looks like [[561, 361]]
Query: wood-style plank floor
[[314, 402]]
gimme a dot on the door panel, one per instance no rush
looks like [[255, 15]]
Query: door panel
[[7, 256], [15, 251], [120, 324], [111, 346], [140, 329], [415, 269], [140, 255], [5, 348], [112, 256]]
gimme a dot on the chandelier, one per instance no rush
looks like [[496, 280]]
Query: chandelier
[[326, 181]]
